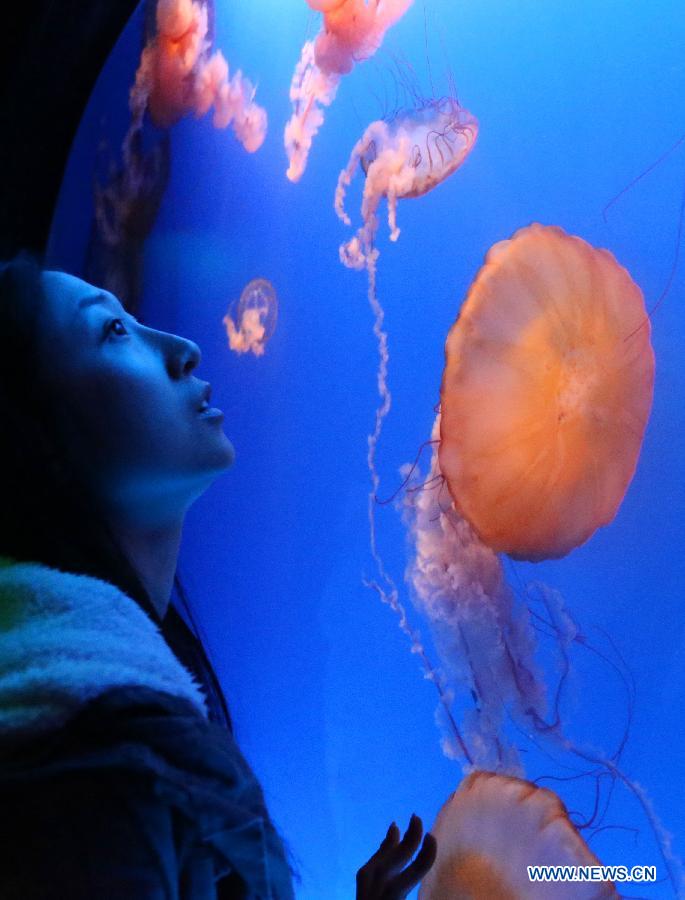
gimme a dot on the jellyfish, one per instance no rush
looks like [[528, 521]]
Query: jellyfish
[[404, 157], [178, 75], [550, 355], [546, 393], [546, 364], [251, 320], [491, 830], [487, 643], [352, 31]]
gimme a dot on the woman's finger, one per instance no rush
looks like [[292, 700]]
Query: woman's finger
[[403, 883], [378, 861], [399, 856]]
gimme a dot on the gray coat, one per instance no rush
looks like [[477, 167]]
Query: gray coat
[[114, 783]]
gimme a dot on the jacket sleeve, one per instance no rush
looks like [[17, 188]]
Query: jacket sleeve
[[86, 835], [137, 797]]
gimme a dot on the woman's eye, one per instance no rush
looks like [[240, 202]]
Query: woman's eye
[[115, 326]]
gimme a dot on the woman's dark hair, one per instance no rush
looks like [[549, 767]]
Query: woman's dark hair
[[47, 514]]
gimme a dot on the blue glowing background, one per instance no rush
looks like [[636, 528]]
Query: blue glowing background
[[330, 708]]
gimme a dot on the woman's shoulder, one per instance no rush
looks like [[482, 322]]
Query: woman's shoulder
[[149, 758], [93, 703], [67, 638], [97, 808]]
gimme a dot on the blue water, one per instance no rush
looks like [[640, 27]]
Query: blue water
[[574, 101]]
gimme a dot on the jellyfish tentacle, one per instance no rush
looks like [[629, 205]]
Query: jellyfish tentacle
[[390, 593]]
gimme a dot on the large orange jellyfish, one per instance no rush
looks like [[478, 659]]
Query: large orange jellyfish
[[546, 393], [548, 364], [352, 31], [491, 830], [177, 76], [531, 374]]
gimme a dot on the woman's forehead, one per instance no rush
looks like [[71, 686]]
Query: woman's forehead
[[66, 287], [69, 297]]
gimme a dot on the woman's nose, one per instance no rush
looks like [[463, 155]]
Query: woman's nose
[[183, 355]]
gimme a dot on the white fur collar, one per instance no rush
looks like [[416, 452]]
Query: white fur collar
[[67, 638]]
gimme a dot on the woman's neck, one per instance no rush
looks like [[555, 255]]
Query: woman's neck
[[154, 554]]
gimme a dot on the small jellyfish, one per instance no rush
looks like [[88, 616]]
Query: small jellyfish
[[491, 829], [177, 76], [352, 31], [546, 393], [251, 320], [406, 156]]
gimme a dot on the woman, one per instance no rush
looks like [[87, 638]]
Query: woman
[[119, 774]]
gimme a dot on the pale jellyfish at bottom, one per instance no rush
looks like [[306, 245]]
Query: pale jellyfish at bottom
[[491, 829], [406, 156], [251, 320], [352, 31]]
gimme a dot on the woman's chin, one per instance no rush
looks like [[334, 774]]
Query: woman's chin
[[223, 457]]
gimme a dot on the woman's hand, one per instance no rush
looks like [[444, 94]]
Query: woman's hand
[[383, 876]]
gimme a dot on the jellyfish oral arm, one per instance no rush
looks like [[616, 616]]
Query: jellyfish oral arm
[[177, 76], [310, 89], [389, 174], [352, 31]]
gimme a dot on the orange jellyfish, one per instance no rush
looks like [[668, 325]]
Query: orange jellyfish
[[352, 31], [546, 393], [548, 368], [491, 830], [406, 156], [178, 76], [251, 320]]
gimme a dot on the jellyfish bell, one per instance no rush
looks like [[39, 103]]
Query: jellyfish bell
[[546, 393], [495, 826], [325, 6], [354, 30], [405, 156], [171, 59], [441, 134]]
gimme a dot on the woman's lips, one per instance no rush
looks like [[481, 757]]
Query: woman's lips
[[211, 412]]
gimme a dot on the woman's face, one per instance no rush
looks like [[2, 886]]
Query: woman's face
[[131, 419]]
